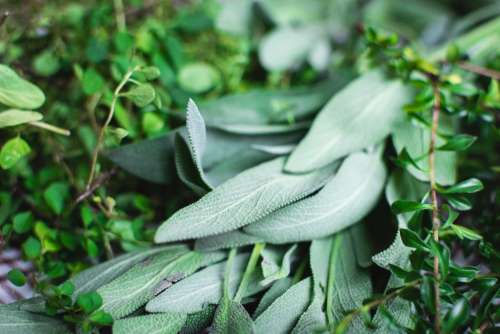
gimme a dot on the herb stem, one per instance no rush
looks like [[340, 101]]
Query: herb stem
[[227, 273], [95, 154], [50, 127], [337, 241], [252, 262], [435, 205], [487, 72]]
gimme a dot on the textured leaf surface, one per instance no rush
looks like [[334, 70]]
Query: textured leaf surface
[[276, 263], [13, 117], [240, 201], [197, 322], [139, 284], [415, 139], [22, 322], [361, 114], [164, 323], [277, 289], [231, 317], [199, 289], [265, 111], [345, 199], [283, 313], [96, 276], [226, 240], [16, 92]]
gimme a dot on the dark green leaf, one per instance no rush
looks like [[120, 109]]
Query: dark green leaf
[[411, 239], [458, 143], [457, 316], [465, 187], [402, 206], [16, 277]]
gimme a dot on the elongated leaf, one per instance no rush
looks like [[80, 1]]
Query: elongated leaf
[[276, 263], [13, 117], [283, 313], [265, 111], [416, 139], [346, 199], [103, 273], [226, 240], [231, 317], [363, 113], [16, 92], [241, 201], [199, 289], [277, 289], [143, 281], [197, 322], [165, 323], [22, 322]]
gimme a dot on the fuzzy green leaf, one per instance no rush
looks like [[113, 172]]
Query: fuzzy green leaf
[[165, 323], [346, 198], [276, 263], [253, 194], [231, 317], [22, 322], [368, 109], [226, 240]]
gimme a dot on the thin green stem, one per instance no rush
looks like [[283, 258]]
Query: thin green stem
[[120, 15], [337, 241], [252, 262], [100, 138], [227, 273], [50, 127]]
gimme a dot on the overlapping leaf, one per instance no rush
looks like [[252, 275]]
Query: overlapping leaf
[[347, 198], [165, 323], [16, 92], [363, 113]]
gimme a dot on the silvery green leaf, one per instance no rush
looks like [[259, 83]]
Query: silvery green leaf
[[13, 117], [231, 317], [293, 12], [142, 282], [226, 240], [197, 322], [165, 323], [202, 288], [235, 16], [276, 263], [344, 200], [286, 48], [277, 289], [361, 114], [320, 54], [275, 149], [268, 111], [152, 159], [93, 278], [23, 322], [283, 313], [348, 284], [313, 319], [18, 93], [241, 200], [416, 139]]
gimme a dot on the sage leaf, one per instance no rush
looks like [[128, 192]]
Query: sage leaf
[[226, 240], [270, 111], [18, 93], [204, 287], [94, 277], [276, 263], [363, 113], [416, 140], [13, 117], [231, 317], [142, 282], [23, 322], [253, 194], [345, 199], [283, 313], [165, 323], [277, 289], [197, 322]]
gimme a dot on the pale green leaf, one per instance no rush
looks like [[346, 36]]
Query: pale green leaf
[[232, 318], [276, 263], [361, 114], [277, 289], [23, 322], [165, 323], [142, 282], [16, 92], [202, 288], [12, 151], [416, 140], [198, 77], [197, 322], [344, 200], [94, 277], [283, 313], [254, 194], [226, 240], [13, 117]]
